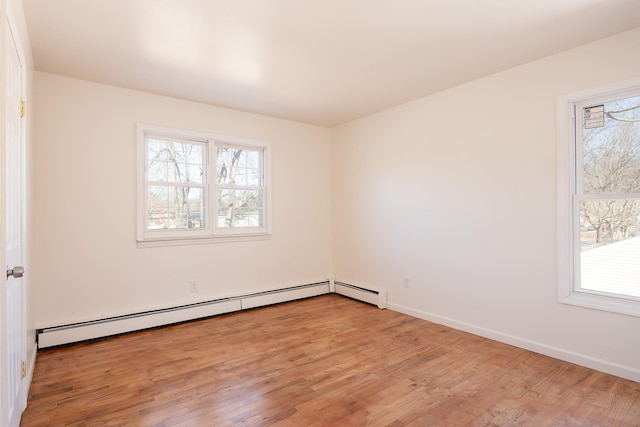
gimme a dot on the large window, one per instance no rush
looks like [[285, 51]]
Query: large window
[[599, 198], [194, 187]]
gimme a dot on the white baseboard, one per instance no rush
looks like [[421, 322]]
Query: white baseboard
[[372, 296], [99, 328], [608, 367], [276, 297], [66, 334]]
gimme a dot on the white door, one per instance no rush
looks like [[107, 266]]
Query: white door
[[15, 294]]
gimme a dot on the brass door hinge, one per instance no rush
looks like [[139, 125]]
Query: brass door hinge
[[23, 109], [24, 369]]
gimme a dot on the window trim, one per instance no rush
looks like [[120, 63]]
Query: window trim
[[212, 234], [568, 292]]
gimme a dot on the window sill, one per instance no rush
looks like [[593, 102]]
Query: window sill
[[613, 304], [202, 240]]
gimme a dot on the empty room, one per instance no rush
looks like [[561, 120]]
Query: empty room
[[322, 213]]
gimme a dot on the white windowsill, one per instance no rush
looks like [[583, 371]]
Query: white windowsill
[[603, 302], [181, 241]]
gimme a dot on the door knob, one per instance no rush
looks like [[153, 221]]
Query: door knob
[[16, 271]]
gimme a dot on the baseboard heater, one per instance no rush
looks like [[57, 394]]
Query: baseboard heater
[[59, 335], [375, 297]]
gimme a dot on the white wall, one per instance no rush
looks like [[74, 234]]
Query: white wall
[[87, 262], [458, 191]]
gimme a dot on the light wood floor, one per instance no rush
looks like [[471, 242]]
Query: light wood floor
[[324, 361]]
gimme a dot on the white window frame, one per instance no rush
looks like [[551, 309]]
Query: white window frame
[[568, 231], [212, 232]]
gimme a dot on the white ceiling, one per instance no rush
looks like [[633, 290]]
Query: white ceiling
[[323, 62]]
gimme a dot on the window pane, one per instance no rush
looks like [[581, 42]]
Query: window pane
[[610, 246], [240, 208], [156, 149], [156, 160], [239, 166], [157, 205], [611, 147], [175, 207], [157, 171], [194, 211], [175, 161], [194, 173]]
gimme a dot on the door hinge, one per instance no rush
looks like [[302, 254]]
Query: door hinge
[[24, 369], [23, 109]]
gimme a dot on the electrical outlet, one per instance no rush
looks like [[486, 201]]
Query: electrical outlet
[[405, 281], [193, 287]]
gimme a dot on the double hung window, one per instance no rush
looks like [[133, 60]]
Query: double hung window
[[599, 199], [195, 187]]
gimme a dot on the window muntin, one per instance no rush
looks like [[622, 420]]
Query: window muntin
[[199, 187], [601, 201]]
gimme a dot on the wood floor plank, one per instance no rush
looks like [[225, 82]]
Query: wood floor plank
[[323, 361]]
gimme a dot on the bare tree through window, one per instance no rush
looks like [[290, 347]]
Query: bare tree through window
[[240, 187], [176, 190], [199, 187], [611, 166], [609, 200]]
